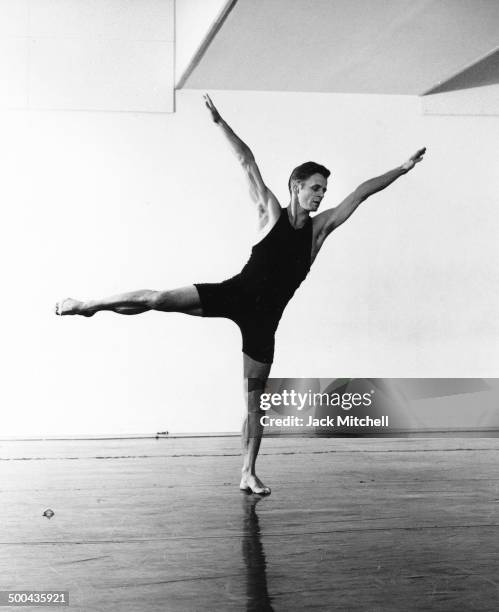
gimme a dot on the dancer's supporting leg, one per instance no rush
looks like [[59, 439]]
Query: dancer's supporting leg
[[255, 377], [185, 299]]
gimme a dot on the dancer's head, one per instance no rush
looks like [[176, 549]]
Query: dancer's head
[[308, 183]]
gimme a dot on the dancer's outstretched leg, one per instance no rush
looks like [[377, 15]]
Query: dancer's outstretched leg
[[255, 377], [185, 299]]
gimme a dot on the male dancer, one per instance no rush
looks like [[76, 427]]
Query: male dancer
[[256, 297]]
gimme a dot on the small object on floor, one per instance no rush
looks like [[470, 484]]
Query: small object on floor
[[48, 513]]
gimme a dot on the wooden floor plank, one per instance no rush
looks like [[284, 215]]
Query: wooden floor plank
[[357, 524]]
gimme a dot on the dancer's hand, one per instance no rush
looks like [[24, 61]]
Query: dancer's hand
[[414, 159], [215, 115]]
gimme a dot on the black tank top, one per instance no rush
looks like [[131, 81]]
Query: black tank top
[[278, 263]]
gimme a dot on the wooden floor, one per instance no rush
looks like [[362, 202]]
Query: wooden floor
[[159, 525]]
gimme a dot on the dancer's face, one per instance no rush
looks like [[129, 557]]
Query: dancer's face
[[311, 191]]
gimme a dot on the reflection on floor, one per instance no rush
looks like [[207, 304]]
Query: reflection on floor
[[352, 524], [257, 594]]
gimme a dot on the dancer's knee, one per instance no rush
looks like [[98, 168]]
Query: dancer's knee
[[255, 384], [255, 387], [160, 300]]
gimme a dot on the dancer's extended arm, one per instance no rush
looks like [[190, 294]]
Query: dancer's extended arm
[[331, 219], [267, 205]]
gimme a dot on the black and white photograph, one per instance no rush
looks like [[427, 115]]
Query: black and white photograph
[[251, 279]]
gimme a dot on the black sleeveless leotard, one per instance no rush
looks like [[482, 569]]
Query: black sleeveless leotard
[[256, 297]]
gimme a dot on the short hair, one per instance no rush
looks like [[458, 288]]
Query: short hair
[[306, 170]]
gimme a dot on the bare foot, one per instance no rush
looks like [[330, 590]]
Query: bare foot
[[70, 307], [251, 483]]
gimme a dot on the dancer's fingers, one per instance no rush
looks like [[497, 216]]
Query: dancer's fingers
[[418, 156], [209, 101]]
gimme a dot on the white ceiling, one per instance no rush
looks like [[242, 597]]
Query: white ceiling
[[354, 46]]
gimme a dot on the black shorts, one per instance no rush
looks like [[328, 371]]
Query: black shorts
[[256, 319]]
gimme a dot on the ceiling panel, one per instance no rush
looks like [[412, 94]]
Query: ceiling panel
[[482, 73], [355, 46]]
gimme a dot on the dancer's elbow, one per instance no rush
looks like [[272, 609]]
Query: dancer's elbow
[[246, 157]]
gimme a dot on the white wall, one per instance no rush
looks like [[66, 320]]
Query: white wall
[[99, 203], [116, 55]]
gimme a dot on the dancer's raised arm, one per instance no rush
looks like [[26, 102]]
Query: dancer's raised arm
[[332, 218], [267, 205]]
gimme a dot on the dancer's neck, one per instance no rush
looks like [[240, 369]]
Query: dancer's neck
[[296, 214]]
